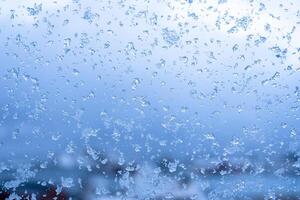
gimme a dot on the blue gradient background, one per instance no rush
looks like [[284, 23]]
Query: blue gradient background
[[76, 67]]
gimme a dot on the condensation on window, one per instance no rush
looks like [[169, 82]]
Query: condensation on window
[[150, 99]]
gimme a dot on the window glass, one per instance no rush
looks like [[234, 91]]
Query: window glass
[[150, 99]]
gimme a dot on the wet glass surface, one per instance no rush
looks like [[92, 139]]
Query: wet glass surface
[[139, 99]]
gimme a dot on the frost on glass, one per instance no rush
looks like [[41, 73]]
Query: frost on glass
[[162, 99]]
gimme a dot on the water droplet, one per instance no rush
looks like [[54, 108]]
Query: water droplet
[[170, 36], [135, 83]]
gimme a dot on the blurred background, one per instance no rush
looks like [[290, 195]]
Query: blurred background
[[139, 99]]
